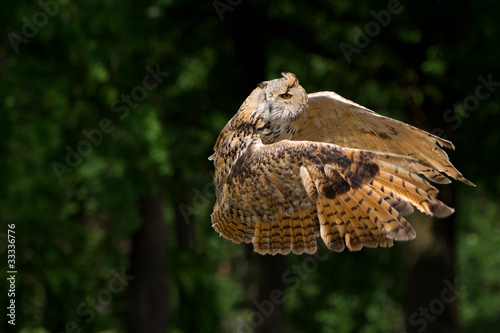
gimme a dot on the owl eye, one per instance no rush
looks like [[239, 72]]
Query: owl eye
[[286, 96]]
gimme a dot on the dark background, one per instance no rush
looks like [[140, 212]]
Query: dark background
[[104, 168]]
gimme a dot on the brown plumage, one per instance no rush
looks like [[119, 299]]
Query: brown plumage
[[291, 167]]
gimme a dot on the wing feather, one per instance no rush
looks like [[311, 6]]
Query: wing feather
[[334, 119], [284, 195], [333, 227], [329, 168], [371, 229]]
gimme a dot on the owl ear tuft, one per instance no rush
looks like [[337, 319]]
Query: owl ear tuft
[[291, 78], [262, 84], [288, 75]]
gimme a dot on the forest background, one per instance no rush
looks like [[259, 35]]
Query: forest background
[[110, 109]]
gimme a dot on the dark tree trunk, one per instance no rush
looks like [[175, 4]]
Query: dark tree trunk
[[269, 303], [147, 305], [432, 291]]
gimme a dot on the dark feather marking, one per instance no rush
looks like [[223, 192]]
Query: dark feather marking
[[384, 136], [393, 131], [381, 135]]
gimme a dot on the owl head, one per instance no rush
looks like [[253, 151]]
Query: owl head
[[281, 100]]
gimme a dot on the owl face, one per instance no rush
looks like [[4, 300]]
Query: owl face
[[284, 99]]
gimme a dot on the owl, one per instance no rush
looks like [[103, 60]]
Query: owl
[[291, 167]]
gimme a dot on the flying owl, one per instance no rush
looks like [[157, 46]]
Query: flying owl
[[291, 167]]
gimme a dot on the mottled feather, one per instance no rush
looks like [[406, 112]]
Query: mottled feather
[[291, 167]]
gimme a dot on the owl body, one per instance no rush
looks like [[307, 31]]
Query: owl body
[[291, 167]]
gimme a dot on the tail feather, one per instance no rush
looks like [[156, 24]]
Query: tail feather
[[310, 245], [233, 229], [276, 240], [261, 238], [285, 234]]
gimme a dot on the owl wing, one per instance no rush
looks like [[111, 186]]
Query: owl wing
[[283, 195], [334, 119]]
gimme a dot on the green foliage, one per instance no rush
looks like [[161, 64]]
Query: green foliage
[[73, 225], [479, 263]]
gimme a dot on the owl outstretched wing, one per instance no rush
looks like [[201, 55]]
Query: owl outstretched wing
[[291, 167], [282, 196], [331, 118]]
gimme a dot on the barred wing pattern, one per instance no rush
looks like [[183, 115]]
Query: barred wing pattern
[[334, 119], [282, 196], [292, 167]]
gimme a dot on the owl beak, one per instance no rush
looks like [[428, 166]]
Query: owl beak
[[270, 106]]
